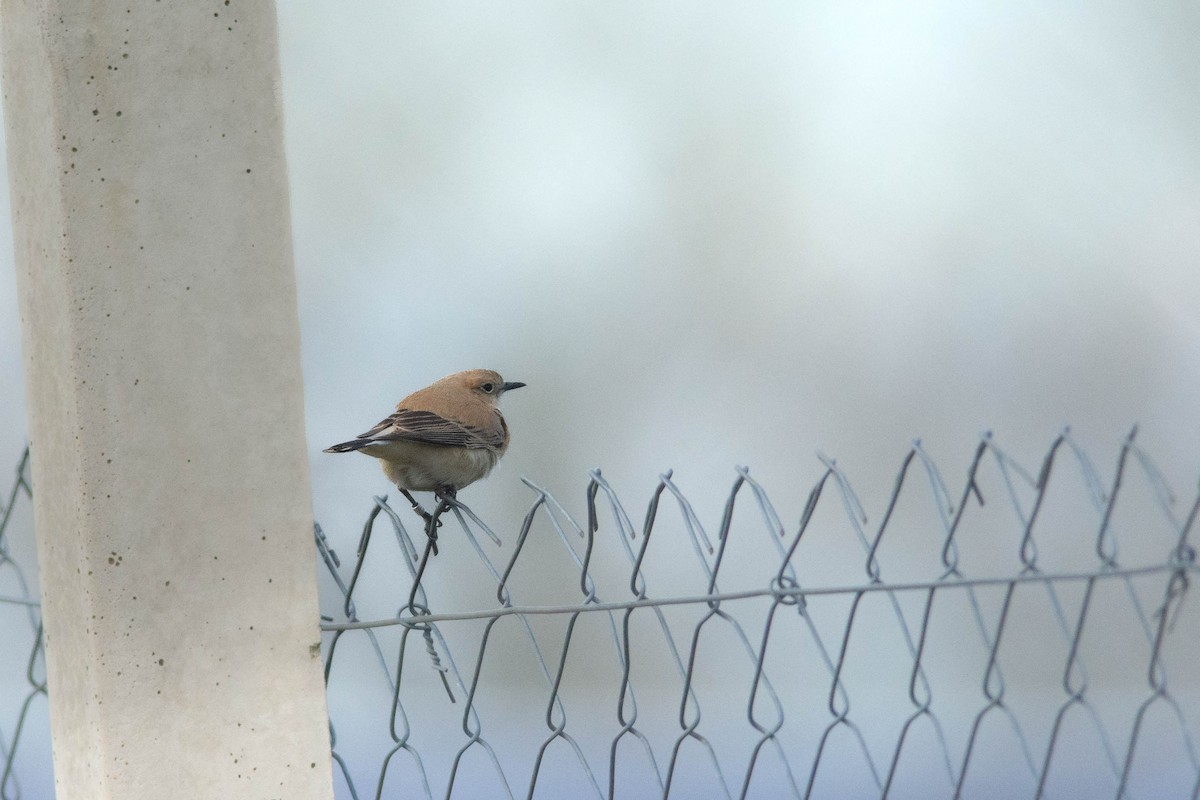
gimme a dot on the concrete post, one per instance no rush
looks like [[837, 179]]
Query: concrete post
[[161, 346]]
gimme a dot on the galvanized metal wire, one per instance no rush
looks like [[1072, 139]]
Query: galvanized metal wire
[[749, 673], [763, 631], [21, 607]]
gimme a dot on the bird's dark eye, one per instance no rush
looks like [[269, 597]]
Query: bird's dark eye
[[487, 387]]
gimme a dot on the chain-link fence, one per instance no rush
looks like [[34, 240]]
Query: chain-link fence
[[1024, 635], [991, 641], [24, 722]]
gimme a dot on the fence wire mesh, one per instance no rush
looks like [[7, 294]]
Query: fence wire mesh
[[1018, 644], [1011, 650], [22, 669]]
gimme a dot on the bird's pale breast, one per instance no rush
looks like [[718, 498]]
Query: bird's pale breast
[[421, 467]]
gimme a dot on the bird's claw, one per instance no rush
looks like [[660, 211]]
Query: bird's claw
[[430, 520]]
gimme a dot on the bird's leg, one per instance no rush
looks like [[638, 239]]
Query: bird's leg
[[446, 496], [422, 513]]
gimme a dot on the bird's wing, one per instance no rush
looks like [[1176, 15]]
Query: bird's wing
[[427, 427]]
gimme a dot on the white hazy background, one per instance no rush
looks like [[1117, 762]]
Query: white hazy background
[[711, 234]]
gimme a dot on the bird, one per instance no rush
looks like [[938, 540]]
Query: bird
[[441, 438]]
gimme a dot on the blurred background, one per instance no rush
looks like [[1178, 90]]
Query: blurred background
[[707, 234], [713, 234]]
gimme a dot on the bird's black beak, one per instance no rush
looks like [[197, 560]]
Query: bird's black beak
[[512, 385]]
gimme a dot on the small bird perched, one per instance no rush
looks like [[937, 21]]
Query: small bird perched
[[442, 438]]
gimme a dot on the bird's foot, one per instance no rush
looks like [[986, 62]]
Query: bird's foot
[[446, 498], [430, 519]]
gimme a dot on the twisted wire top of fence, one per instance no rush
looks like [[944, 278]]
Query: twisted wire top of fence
[[764, 649], [1032, 662]]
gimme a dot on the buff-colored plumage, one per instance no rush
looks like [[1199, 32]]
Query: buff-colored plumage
[[443, 437]]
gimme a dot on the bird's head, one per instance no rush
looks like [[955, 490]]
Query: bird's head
[[485, 384]]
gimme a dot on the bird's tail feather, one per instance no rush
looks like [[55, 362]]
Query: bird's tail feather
[[346, 447]]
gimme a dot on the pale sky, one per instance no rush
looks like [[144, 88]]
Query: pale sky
[[743, 235]]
